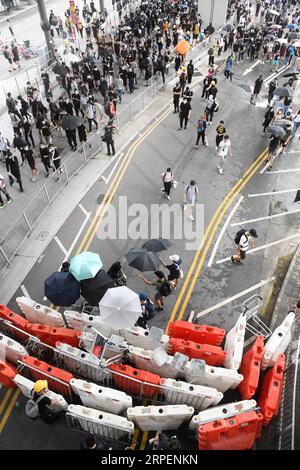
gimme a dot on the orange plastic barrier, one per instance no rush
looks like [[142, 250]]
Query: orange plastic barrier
[[250, 369], [7, 374], [42, 370], [132, 387], [271, 390], [97, 351], [236, 433], [50, 335], [16, 320], [212, 355], [202, 334]]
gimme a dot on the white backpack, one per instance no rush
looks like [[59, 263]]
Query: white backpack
[[31, 407]]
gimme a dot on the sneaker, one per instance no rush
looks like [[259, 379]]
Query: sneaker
[[168, 197], [9, 201], [191, 217], [196, 146], [221, 171], [33, 179], [2, 205], [232, 259]]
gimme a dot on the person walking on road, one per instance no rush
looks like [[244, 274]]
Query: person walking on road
[[176, 97], [221, 131], [71, 137], [223, 150], [257, 88], [269, 116], [243, 239], [30, 157], [201, 131], [12, 167], [184, 113], [45, 158], [147, 311], [168, 180], [175, 271], [228, 66], [191, 196], [211, 106], [190, 71], [163, 288], [108, 137], [4, 191], [91, 114], [56, 159]]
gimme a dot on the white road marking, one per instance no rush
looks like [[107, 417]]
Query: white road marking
[[212, 257], [61, 246], [262, 247], [83, 209], [294, 151], [25, 291], [273, 192], [283, 171], [251, 68], [67, 254], [264, 218], [275, 74], [106, 180], [191, 317], [234, 297]]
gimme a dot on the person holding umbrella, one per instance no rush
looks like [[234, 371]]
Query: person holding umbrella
[[174, 269], [274, 141], [162, 286], [117, 274]]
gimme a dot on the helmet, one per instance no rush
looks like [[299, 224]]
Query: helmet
[[213, 82], [40, 385], [174, 258], [143, 296]]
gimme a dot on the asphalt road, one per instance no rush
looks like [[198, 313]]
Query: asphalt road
[[203, 286]]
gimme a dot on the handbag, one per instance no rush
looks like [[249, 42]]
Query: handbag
[[11, 180]]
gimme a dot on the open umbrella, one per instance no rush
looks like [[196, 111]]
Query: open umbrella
[[85, 266], [294, 35], [292, 26], [120, 307], [282, 41], [276, 130], [143, 260], [228, 27], [157, 245], [182, 47], [58, 69], [292, 74], [71, 122], [274, 12], [94, 289], [70, 58], [276, 26], [62, 289], [282, 91]]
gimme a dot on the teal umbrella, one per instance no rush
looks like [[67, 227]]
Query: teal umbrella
[[85, 266]]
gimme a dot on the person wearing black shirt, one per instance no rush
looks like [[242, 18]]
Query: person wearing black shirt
[[39, 393], [27, 131], [176, 97], [12, 166], [190, 71], [188, 94], [108, 137], [257, 87], [93, 443], [184, 113], [45, 158]]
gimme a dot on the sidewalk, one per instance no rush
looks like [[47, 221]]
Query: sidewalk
[[24, 7]]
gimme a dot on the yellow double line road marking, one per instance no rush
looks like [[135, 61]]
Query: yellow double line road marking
[[10, 406]]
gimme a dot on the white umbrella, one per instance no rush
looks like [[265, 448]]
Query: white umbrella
[[282, 40], [274, 12], [69, 58], [120, 307]]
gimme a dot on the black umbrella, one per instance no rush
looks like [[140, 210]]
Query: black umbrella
[[157, 245], [58, 69], [71, 122], [294, 35], [282, 91], [143, 260], [276, 130], [292, 74], [228, 27], [94, 289], [62, 289]]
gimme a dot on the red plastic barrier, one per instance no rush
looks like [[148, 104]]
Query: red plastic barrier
[[212, 355], [58, 379], [97, 351], [16, 320], [7, 374], [202, 334], [132, 387], [250, 369], [271, 390], [236, 433], [51, 335]]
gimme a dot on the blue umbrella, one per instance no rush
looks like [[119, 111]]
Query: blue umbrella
[[292, 26], [62, 289], [85, 266]]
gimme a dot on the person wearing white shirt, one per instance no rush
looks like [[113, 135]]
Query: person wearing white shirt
[[223, 150], [243, 240]]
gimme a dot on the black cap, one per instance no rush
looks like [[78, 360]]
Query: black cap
[[253, 232]]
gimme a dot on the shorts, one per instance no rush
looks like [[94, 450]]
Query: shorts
[[158, 296], [243, 254]]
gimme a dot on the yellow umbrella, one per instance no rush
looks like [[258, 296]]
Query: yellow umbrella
[[182, 47]]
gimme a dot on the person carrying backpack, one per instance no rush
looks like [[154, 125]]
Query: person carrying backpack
[[163, 288], [201, 131], [175, 271], [168, 180], [147, 311], [243, 239], [39, 403]]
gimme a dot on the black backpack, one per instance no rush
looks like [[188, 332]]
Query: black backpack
[[165, 289], [238, 236]]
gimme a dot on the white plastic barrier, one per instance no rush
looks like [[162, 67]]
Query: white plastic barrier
[[224, 411], [101, 423], [145, 339], [37, 313], [77, 354], [160, 418], [158, 361], [197, 396], [197, 372], [278, 342], [11, 349], [101, 398], [115, 346], [79, 321], [234, 344], [26, 386]]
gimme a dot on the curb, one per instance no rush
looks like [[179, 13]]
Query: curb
[[18, 14]]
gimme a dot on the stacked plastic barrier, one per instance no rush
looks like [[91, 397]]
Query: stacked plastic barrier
[[145, 339], [197, 396], [101, 398], [197, 372], [37, 313], [278, 341], [51, 334], [212, 355], [236, 433], [79, 321], [134, 381], [26, 387], [202, 334], [7, 374], [58, 379], [250, 369], [17, 321], [234, 344], [160, 418], [101, 423], [271, 391], [158, 361], [10, 349]]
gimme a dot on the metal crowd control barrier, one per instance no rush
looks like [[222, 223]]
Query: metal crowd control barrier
[[255, 326], [110, 434], [288, 408]]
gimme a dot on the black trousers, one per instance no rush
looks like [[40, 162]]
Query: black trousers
[[72, 140], [90, 124], [183, 118], [176, 105], [110, 147], [202, 135], [19, 181], [189, 78], [211, 60], [209, 115], [167, 187], [29, 136]]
